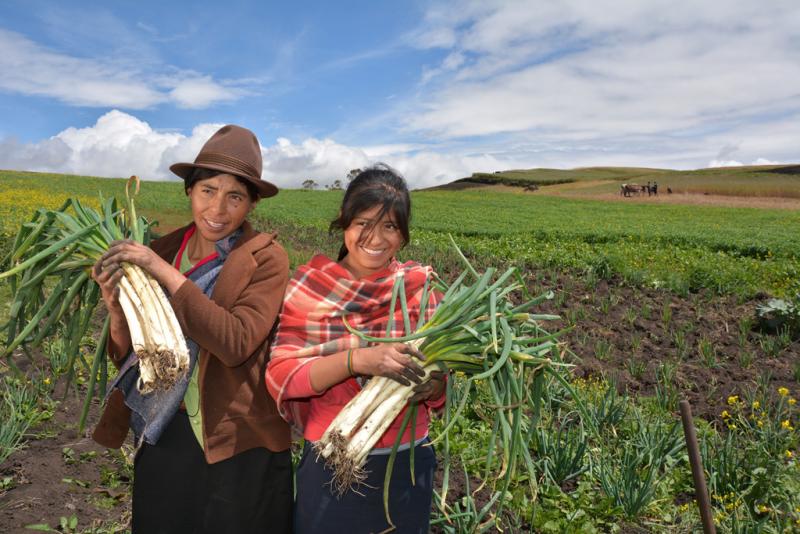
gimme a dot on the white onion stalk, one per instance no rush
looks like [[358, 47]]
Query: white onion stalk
[[478, 332], [155, 332], [360, 424], [52, 257]]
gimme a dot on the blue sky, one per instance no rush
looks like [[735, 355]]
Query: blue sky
[[437, 89]]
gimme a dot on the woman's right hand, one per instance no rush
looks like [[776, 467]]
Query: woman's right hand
[[119, 339], [108, 280], [392, 360]]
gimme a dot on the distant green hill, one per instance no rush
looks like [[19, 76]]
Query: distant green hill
[[763, 180], [523, 177]]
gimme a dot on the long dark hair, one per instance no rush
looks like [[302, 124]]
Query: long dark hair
[[379, 185]]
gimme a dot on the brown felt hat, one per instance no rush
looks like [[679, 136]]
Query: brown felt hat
[[232, 150]]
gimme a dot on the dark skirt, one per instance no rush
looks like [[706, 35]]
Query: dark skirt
[[175, 491], [318, 511]]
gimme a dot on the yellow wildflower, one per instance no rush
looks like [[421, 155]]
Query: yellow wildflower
[[47, 381], [733, 399], [763, 508], [783, 392], [792, 402], [787, 425], [725, 414], [756, 405], [760, 423], [789, 454]]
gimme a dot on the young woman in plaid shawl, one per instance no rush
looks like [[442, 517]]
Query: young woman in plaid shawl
[[317, 366]]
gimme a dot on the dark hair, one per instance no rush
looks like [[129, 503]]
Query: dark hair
[[199, 174], [379, 185]]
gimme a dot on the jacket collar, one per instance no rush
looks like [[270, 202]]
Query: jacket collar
[[238, 267]]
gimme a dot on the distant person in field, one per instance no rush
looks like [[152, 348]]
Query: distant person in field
[[213, 453], [317, 366]]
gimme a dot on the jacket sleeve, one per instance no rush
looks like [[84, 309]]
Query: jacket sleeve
[[233, 335]]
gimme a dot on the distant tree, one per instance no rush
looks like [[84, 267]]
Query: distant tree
[[309, 184], [352, 174], [336, 185]]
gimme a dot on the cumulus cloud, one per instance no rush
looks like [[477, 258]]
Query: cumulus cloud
[[32, 69], [119, 145], [201, 92], [576, 72]]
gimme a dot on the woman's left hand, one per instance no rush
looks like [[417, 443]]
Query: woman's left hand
[[137, 254], [431, 389]]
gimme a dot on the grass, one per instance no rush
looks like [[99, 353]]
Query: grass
[[682, 248]]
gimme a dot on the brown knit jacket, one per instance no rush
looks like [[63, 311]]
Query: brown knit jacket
[[232, 329]]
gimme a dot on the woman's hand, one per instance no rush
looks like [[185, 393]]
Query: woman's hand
[[392, 360], [119, 337], [108, 280], [430, 390], [144, 257]]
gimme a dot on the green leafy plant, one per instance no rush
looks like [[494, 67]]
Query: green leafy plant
[[562, 450], [463, 516], [66, 525], [636, 367], [707, 352], [666, 387], [602, 349], [780, 314]]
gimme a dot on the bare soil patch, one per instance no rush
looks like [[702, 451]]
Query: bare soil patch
[[60, 474], [624, 333], [693, 199]]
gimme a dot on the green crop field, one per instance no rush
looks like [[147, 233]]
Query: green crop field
[[657, 303], [740, 251]]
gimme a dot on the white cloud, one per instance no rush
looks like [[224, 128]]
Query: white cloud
[[628, 76], [31, 69], [734, 163], [724, 163], [201, 92], [119, 145]]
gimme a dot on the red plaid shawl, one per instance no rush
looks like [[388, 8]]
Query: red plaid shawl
[[311, 326]]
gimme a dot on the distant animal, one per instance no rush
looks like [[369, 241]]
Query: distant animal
[[627, 190], [531, 187], [669, 190]]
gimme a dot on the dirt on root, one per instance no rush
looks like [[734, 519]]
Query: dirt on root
[[60, 473]]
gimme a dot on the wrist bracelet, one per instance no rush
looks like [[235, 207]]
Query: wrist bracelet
[[350, 362]]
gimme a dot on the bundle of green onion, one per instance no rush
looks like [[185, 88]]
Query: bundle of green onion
[[478, 332], [49, 271]]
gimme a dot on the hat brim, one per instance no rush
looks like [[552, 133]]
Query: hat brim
[[265, 189]]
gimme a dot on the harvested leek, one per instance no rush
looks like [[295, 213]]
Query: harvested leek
[[63, 245], [481, 334]]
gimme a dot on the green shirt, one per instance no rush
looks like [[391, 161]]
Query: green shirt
[[192, 396]]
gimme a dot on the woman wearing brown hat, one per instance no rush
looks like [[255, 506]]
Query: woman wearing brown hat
[[212, 451]]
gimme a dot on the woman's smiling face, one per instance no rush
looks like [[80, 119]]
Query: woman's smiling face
[[371, 242], [219, 206]]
